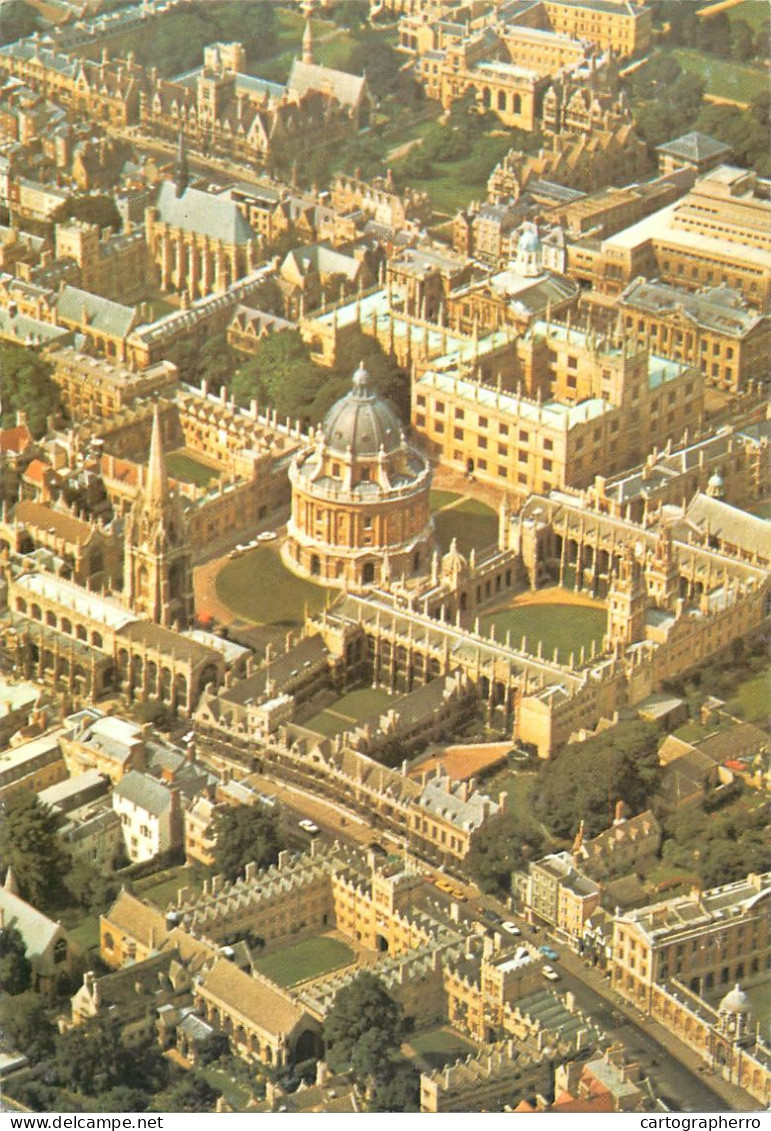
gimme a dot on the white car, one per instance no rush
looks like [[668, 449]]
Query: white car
[[267, 536], [309, 827], [511, 928], [550, 973]]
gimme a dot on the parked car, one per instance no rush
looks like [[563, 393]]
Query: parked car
[[309, 827], [550, 973], [549, 952], [267, 536], [459, 894], [512, 928], [445, 886], [492, 916]]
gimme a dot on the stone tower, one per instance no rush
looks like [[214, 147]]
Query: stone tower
[[308, 39], [157, 566], [181, 169], [627, 604], [662, 574]]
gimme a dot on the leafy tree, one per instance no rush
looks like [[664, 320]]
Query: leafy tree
[[743, 130], [25, 1022], [192, 1093], [279, 372], [742, 40], [89, 209], [363, 1023], [89, 886], [29, 845], [246, 835], [382, 63], [26, 386], [399, 1093], [15, 968], [503, 845], [96, 1057], [586, 779], [661, 120], [119, 1099], [17, 20]]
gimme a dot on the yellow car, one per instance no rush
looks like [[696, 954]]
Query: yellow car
[[458, 894], [445, 886]]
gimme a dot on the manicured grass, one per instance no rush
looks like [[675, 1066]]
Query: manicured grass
[[362, 702], [356, 705], [258, 587], [473, 524], [754, 12], [86, 934], [566, 627], [236, 1095], [307, 959], [163, 888], [439, 1047], [724, 79], [753, 698], [518, 786], [439, 499], [183, 466]]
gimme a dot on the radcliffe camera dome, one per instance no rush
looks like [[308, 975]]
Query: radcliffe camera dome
[[362, 422]]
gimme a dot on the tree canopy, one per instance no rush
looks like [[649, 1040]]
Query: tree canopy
[[586, 779], [363, 1023], [95, 1057], [91, 208], [503, 845], [25, 1022], [15, 968], [19, 19], [244, 836], [29, 845], [178, 38], [26, 386]]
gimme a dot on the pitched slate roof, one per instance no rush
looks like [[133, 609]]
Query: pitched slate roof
[[264, 1006], [203, 213], [347, 89], [695, 146], [37, 930], [80, 306], [144, 792]]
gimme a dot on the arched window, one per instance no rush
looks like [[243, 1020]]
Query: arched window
[[516, 104], [501, 99]]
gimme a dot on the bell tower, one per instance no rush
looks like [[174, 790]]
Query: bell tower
[[627, 604], [157, 565]]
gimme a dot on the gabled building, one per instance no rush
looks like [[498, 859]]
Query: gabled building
[[151, 815]]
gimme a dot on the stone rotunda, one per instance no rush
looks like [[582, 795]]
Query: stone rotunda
[[360, 512]]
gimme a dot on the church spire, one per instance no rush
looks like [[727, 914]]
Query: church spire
[[308, 38], [181, 171], [157, 481]]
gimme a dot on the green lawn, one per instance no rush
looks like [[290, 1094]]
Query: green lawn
[[755, 12], [86, 933], [342, 714], [566, 627], [439, 499], [307, 959], [455, 183], [236, 1095], [752, 698], [474, 524], [440, 1046], [183, 466], [724, 79], [162, 889], [258, 587]]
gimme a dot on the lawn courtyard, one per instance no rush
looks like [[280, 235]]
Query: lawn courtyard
[[567, 627], [307, 959], [472, 523], [259, 587], [349, 710], [181, 465]]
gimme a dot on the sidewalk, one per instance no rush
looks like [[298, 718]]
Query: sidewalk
[[736, 1098]]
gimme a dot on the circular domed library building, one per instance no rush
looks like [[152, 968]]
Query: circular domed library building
[[360, 510]]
